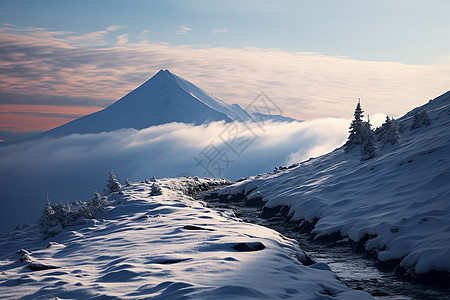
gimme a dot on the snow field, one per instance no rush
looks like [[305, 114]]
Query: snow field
[[162, 247]]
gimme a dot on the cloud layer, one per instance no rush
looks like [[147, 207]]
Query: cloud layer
[[53, 66], [73, 166]]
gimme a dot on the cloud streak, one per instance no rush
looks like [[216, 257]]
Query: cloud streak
[[43, 67], [223, 30], [73, 166], [122, 39], [184, 30]]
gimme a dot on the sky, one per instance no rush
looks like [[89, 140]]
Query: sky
[[62, 59]]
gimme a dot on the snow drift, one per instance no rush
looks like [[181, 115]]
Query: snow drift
[[162, 247]]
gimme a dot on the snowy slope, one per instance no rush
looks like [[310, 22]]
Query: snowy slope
[[234, 111], [396, 204], [145, 247], [164, 98]]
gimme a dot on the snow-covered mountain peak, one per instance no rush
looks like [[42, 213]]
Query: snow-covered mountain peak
[[164, 98]]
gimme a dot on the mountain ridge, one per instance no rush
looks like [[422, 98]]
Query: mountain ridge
[[394, 206]]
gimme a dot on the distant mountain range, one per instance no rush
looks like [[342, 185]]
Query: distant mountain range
[[164, 98]]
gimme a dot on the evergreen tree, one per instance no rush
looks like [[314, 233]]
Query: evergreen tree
[[97, 203], [393, 136], [127, 182], [47, 218], [64, 214], [48, 210], [420, 119], [356, 129], [388, 132], [368, 145], [113, 185]]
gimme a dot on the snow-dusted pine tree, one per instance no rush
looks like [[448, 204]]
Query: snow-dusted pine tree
[[62, 212], [97, 203], [113, 185], [420, 119], [48, 222], [48, 210], [127, 182], [156, 190], [355, 138], [388, 132], [48, 213], [368, 145]]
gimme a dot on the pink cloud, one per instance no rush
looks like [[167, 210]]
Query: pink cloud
[[304, 85], [18, 123], [17, 118]]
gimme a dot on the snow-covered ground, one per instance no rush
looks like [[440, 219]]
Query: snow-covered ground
[[398, 201], [166, 246]]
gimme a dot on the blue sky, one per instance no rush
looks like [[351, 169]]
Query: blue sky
[[407, 31], [60, 59]]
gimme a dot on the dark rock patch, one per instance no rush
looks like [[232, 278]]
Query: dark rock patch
[[246, 247], [211, 196], [305, 226], [269, 212], [39, 267], [379, 293], [387, 265], [255, 202], [440, 279], [194, 227], [330, 238], [360, 245], [173, 261], [227, 198], [25, 256]]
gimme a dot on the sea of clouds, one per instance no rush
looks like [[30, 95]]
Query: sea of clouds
[[72, 167]]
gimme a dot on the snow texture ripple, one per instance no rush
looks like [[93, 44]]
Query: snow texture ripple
[[165, 246]]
